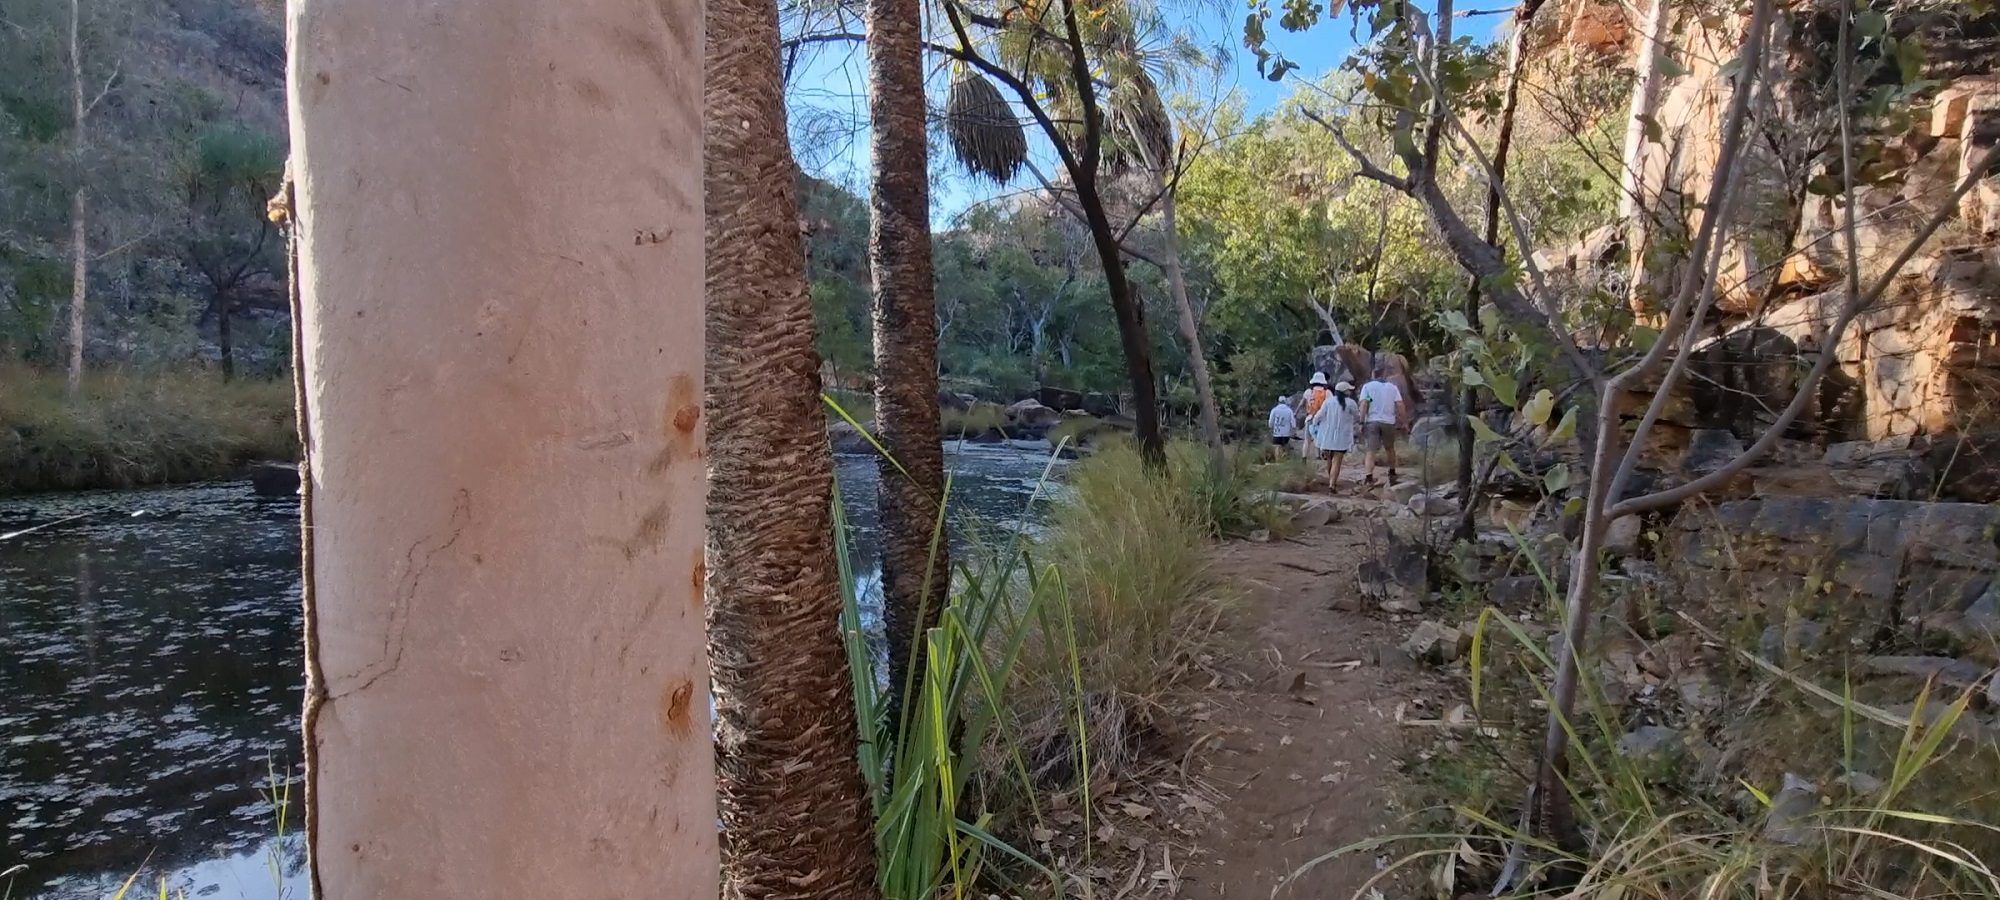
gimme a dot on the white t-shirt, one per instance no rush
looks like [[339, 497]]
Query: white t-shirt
[[1283, 421], [1381, 398]]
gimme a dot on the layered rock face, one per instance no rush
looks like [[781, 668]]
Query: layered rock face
[[1918, 370]]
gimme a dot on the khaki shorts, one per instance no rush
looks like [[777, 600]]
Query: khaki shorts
[[1377, 435]]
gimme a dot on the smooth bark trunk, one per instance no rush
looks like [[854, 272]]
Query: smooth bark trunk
[[1204, 389], [79, 244], [1648, 45], [915, 569], [497, 210], [796, 821]]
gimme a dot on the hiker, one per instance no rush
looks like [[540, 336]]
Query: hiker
[[1315, 396], [1283, 424], [1381, 414], [1332, 428]]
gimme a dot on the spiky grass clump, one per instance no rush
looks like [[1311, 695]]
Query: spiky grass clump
[[985, 134]]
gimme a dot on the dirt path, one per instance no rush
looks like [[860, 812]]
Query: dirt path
[[1306, 742]]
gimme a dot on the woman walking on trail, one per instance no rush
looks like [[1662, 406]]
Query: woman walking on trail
[[1309, 404], [1332, 429]]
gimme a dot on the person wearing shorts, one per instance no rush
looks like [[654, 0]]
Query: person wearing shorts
[[1332, 430], [1284, 423], [1381, 413]]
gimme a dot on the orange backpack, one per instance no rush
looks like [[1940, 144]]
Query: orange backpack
[[1316, 398]]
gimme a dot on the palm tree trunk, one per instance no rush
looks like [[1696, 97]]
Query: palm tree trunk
[[796, 821], [1204, 390], [79, 245], [915, 571], [507, 676]]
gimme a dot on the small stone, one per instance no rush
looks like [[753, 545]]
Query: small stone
[[1794, 802]]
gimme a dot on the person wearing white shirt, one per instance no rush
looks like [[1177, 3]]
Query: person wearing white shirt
[[1284, 424], [1381, 413], [1332, 430]]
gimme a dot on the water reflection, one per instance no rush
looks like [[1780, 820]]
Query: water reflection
[[150, 678]]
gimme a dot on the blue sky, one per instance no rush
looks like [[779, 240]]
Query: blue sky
[[828, 99]]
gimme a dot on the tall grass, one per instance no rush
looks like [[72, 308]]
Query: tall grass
[[131, 428], [1047, 662], [1649, 834]]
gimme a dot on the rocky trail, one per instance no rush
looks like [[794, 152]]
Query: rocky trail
[[1303, 745]]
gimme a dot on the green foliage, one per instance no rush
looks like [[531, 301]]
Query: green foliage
[[127, 429], [1045, 663]]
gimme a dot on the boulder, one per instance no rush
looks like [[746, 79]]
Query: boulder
[[1791, 811], [1435, 642], [275, 479], [1032, 416], [1059, 399], [1856, 565], [1653, 747]]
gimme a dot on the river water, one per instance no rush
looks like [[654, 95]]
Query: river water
[[150, 678]]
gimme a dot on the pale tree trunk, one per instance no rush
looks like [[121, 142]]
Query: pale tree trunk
[[915, 570], [796, 821], [497, 214], [1204, 390], [1647, 47], [79, 244]]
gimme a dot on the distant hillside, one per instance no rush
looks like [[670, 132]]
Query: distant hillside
[[184, 139]]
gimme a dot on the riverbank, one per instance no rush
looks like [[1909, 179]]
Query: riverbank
[[133, 429]]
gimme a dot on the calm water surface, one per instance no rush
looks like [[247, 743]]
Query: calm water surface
[[150, 678]]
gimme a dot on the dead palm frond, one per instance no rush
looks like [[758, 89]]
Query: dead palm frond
[[985, 134]]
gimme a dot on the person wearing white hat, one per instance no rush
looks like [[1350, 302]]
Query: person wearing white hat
[[1315, 396], [1332, 429]]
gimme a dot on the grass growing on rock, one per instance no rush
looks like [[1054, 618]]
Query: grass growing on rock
[[129, 429]]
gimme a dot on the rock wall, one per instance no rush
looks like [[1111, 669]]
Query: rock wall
[[1863, 568], [1924, 362]]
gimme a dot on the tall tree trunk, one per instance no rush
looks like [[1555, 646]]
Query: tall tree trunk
[[1204, 390], [1131, 317], [507, 676], [79, 244], [225, 336], [1647, 47], [1503, 144], [796, 821], [915, 569]]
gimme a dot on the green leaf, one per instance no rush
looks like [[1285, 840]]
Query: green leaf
[[1473, 378], [1454, 321], [1669, 66], [1507, 462], [1643, 337], [1871, 24], [1824, 185], [1573, 506], [1654, 133], [1556, 479], [1504, 388], [1539, 406], [1481, 432], [1910, 60], [1564, 429]]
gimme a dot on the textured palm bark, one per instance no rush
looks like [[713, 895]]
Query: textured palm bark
[[497, 209], [796, 819], [915, 568]]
